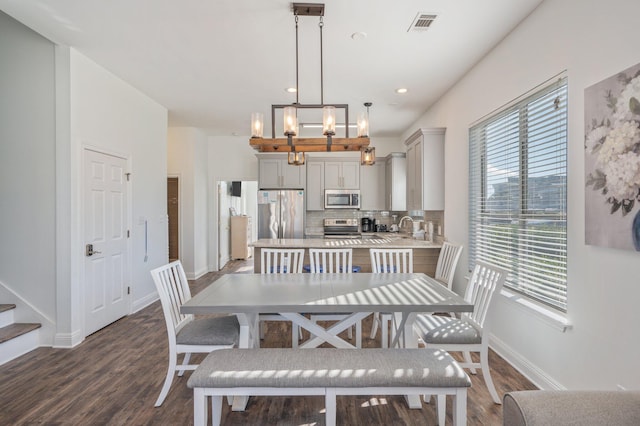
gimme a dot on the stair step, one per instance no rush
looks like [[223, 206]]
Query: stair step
[[7, 307], [14, 330]]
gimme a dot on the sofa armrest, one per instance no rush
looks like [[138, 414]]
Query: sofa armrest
[[564, 408]]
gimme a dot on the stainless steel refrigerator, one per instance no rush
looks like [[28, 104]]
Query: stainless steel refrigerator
[[281, 213]]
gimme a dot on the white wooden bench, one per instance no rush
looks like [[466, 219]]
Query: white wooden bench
[[328, 372]]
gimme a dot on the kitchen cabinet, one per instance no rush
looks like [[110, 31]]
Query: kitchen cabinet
[[240, 237], [396, 181], [342, 174], [425, 169], [315, 185], [372, 192], [276, 173]]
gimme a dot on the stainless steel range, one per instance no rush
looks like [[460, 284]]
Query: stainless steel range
[[341, 228]]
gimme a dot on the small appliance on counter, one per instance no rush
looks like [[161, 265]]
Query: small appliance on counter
[[365, 224], [394, 226]]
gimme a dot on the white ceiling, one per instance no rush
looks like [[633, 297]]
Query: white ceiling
[[212, 63]]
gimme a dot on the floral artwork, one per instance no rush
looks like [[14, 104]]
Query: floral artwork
[[612, 161]]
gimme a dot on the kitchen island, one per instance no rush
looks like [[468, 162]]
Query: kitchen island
[[425, 253]]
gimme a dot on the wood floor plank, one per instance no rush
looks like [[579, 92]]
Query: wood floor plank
[[115, 376]]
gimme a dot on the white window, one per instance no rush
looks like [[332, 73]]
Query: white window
[[518, 193]]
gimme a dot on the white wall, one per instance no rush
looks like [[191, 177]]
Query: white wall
[[55, 102], [592, 40], [385, 146], [230, 158], [187, 159], [107, 114], [27, 174]]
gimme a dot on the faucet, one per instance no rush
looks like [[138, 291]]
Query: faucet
[[402, 219]]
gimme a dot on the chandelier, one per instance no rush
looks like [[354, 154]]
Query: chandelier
[[296, 146]]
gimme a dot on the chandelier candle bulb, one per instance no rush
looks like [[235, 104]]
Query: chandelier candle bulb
[[329, 120], [290, 121], [363, 125], [257, 124]]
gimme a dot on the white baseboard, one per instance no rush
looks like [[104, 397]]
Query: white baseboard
[[68, 340], [532, 372], [144, 302], [200, 273]]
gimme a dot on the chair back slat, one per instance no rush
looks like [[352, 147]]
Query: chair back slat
[[391, 260], [173, 290], [281, 261], [331, 261], [447, 262], [485, 283]]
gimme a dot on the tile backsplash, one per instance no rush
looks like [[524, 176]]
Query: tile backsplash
[[314, 219]]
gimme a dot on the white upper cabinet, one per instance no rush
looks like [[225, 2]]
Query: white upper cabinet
[[396, 181], [373, 188], [276, 173], [342, 174], [425, 169], [315, 185]]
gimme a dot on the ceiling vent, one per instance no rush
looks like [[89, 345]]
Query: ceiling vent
[[422, 22]]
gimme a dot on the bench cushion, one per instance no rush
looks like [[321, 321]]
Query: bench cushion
[[328, 367]]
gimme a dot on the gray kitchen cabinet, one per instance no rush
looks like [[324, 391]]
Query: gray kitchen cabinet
[[342, 174], [373, 189], [425, 169], [315, 185], [276, 173], [396, 181]]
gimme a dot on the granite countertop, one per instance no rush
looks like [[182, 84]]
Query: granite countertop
[[382, 240]]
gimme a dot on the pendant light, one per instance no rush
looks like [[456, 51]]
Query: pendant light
[[297, 147], [368, 153]]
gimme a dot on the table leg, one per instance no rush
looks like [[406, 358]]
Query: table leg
[[406, 338], [249, 338]]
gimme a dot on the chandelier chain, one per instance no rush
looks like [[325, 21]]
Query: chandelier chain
[[321, 24], [297, 83]]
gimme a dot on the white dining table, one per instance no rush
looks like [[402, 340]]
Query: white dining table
[[293, 295]]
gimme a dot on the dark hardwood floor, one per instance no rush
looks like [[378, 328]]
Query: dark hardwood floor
[[115, 375]]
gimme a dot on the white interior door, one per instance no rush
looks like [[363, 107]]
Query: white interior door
[[106, 268]]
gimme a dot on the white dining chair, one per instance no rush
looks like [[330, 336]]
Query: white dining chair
[[446, 266], [186, 334], [470, 332], [386, 261], [331, 261], [447, 262], [279, 261]]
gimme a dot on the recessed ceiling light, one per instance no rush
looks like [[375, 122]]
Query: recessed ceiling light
[[359, 35], [402, 90], [291, 90]]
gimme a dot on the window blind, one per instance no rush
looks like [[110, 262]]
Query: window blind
[[518, 193]]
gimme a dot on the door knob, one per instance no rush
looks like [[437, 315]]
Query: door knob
[[89, 250]]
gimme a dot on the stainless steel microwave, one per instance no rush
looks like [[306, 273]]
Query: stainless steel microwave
[[342, 199]]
